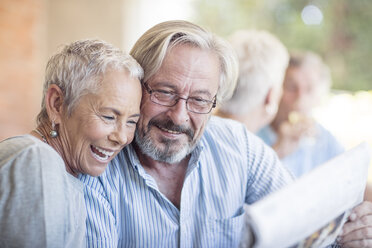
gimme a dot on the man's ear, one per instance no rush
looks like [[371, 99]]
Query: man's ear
[[54, 103]]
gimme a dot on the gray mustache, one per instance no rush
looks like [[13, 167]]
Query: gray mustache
[[169, 124]]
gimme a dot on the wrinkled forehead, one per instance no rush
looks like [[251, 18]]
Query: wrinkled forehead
[[187, 66]]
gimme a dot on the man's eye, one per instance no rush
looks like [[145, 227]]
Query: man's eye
[[164, 95], [164, 92], [199, 101]]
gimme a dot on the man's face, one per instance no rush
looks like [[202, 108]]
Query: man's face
[[169, 134], [301, 91]]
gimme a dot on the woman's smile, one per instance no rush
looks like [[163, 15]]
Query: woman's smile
[[102, 155]]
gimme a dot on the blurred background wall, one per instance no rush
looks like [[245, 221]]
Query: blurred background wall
[[32, 30], [22, 51], [339, 30]]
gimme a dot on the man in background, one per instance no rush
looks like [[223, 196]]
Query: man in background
[[300, 142]]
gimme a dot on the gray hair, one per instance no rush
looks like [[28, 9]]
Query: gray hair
[[263, 60], [151, 48], [313, 62], [79, 67]]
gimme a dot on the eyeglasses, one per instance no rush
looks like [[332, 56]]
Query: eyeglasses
[[196, 105]]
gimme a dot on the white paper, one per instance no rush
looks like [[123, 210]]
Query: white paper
[[311, 211]]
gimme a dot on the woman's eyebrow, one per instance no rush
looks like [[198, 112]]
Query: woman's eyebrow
[[117, 112]]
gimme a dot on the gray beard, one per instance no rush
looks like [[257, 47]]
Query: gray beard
[[165, 154]]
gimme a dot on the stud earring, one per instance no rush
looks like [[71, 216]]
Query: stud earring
[[53, 133]]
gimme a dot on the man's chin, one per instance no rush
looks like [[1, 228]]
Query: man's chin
[[165, 154], [175, 157], [164, 149]]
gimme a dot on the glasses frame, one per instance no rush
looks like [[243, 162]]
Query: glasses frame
[[178, 97]]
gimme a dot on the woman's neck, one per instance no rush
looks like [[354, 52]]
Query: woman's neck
[[42, 132]]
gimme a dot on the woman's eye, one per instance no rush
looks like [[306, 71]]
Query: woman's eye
[[107, 117], [131, 122]]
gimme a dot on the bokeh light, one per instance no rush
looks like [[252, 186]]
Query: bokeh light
[[312, 15]]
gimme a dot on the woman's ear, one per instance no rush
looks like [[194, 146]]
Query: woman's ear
[[268, 97], [54, 103], [271, 103]]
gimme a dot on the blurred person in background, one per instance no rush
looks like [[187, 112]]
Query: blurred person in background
[[300, 142], [89, 112], [263, 60]]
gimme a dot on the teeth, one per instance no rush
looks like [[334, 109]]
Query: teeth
[[107, 153], [100, 158], [169, 131]]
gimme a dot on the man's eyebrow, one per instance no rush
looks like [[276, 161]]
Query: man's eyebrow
[[173, 87], [204, 92], [165, 84]]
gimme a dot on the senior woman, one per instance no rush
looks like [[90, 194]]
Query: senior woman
[[89, 112], [263, 61]]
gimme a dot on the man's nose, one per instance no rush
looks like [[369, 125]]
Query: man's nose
[[179, 113]]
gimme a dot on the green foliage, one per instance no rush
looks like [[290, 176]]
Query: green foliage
[[343, 38]]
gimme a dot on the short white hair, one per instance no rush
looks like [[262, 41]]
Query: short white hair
[[78, 69], [263, 60]]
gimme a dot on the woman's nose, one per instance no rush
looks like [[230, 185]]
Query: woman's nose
[[119, 135]]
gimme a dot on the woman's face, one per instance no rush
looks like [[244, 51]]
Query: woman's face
[[101, 124]]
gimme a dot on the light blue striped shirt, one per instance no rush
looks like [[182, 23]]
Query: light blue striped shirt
[[311, 152], [228, 168]]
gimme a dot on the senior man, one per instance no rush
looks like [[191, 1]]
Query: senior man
[[185, 179], [301, 143]]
